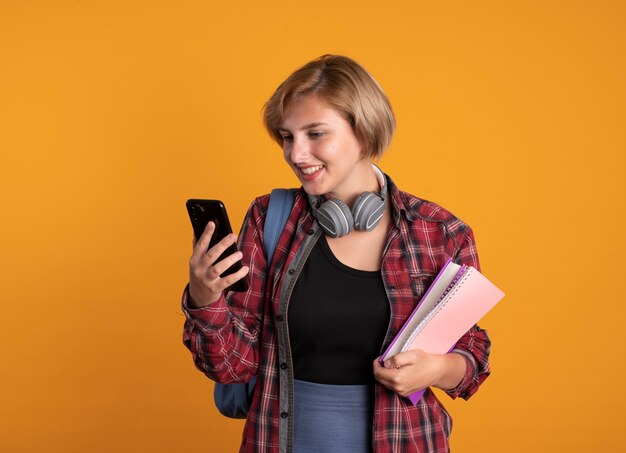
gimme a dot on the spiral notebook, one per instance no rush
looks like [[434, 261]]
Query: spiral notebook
[[457, 299]]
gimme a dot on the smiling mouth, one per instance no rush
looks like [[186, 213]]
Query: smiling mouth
[[310, 170]]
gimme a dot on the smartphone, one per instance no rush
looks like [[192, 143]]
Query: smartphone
[[200, 212]]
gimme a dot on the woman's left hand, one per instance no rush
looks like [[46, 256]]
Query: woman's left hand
[[410, 371]]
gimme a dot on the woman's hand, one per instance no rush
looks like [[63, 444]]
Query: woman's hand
[[410, 371], [205, 283]]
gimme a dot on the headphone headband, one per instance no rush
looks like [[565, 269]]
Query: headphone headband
[[337, 219]]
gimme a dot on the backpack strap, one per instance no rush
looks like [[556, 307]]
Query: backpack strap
[[281, 202], [233, 400]]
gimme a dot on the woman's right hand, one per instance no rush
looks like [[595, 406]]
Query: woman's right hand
[[205, 283]]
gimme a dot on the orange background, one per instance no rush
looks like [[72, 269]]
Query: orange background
[[511, 114]]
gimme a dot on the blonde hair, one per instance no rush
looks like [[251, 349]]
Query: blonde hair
[[349, 88]]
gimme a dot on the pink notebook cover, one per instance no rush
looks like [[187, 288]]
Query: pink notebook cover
[[468, 300]]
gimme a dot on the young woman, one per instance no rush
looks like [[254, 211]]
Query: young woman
[[355, 257]]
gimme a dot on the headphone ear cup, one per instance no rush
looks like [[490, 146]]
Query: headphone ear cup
[[367, 211], [335, 218]]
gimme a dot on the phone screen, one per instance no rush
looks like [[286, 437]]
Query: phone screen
[[200, 213]]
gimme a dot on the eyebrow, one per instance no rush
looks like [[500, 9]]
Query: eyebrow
[[306, 126]]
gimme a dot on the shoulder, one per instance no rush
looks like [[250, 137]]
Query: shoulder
[[262, 202], [260, 205], [426, 213]]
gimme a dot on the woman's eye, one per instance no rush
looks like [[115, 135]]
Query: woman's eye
[[316, 134], [287, 138]]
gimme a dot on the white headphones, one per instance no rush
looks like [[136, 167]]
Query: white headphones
[[337, 219]]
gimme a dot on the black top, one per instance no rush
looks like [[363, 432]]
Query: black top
[[338, 317]]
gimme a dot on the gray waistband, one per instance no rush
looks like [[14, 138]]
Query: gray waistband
[[332, 418]]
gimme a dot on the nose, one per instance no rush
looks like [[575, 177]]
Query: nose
[[298, 150]]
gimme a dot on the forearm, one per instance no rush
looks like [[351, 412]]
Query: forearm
[[451, 370], [222, 344]]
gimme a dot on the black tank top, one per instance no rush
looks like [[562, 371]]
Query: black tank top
[[338, 317]]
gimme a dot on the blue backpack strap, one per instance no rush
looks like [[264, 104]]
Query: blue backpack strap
[[233, 400], [281, 202]]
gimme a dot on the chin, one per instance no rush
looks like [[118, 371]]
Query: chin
[[312, 189], [315, 193]]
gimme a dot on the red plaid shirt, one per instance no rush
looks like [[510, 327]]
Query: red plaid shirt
[[244, 334]]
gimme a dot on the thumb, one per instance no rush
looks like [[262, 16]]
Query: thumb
[[392, 362], [402, 359]]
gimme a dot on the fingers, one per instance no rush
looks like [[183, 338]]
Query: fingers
[[234, 277], [206, 285], [213, 254], [206, 267], [414, 357], [201, 247], [220, 267], [392, 363], [384, 373], [403, 359], [402, 373], [389, 377], [201, 244]]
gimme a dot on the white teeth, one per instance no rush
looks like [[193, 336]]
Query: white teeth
[[311, 170]]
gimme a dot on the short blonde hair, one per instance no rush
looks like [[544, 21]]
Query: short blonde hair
[[349, 88]]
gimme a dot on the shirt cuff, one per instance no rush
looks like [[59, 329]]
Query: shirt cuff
[[463, 388], [212, 316]]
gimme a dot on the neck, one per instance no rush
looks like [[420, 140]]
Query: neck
[[367, 182]]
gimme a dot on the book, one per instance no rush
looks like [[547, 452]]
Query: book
[[456, 300]]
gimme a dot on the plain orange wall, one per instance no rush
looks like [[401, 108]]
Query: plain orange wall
[[112, 113]]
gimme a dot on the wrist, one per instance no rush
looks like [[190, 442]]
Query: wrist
[[450, 369], [196, 299]]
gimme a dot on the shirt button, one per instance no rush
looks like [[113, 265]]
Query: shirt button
[[284, 414], [279, 318], [311, 232], [283, 366], [291, 271]]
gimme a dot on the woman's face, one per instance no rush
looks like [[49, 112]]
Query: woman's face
[[321, 148]]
